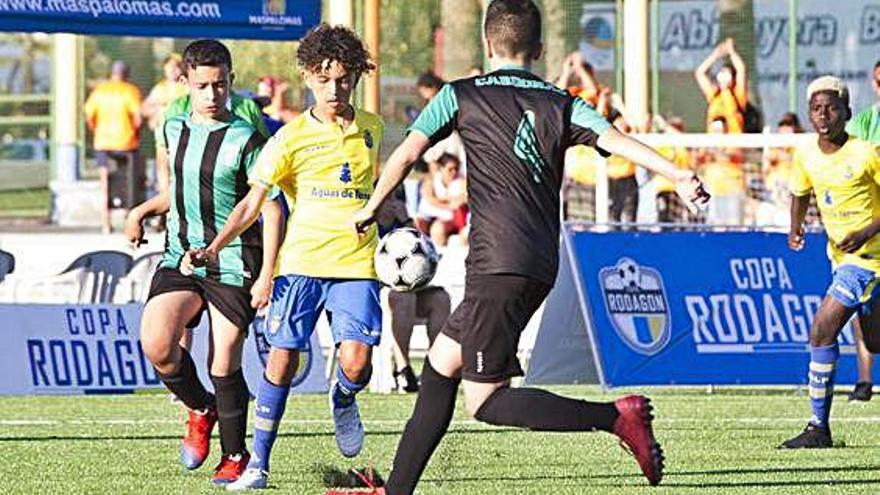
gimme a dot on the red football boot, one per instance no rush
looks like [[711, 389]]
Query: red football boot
[[230, 468], [633, 426], [197, 442]]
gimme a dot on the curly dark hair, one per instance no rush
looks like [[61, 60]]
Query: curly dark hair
[[338, 43]]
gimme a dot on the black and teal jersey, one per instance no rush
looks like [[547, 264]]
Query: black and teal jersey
[[209, 176], [515, 128]]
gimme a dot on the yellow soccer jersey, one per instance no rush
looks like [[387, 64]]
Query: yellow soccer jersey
[[326, 174], [848, 194]]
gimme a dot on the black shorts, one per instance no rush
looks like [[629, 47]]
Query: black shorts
[[489, 322], [233, 302]]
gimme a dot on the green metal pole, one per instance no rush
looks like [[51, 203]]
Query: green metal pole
[[792, 55], [618, 46], [655, 57]]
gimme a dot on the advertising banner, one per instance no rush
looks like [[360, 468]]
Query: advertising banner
[[703, 308], [95, 349], [248, 19]]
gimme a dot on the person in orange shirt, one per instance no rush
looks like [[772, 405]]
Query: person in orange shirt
[[670, 208], [623, 189], [727, 95], [724, 175], [579, 78], [113, 113]]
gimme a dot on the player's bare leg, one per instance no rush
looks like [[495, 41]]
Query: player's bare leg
[[824, 351], [104, 178], [865, 359], [232, 396], [352, 376], [403, 319], [164, 319]]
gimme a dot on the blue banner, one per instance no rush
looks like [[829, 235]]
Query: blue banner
[[704, 308], [247, 19]]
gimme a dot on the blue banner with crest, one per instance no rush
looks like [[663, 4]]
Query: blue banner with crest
[[247, 19], [703, 308]]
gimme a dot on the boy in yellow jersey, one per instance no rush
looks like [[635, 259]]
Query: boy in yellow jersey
[[845, 174], [323, 161]]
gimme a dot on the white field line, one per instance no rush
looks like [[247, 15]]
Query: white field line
[[393, 422]]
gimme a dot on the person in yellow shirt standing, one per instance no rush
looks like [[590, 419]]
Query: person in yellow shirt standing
[[165, 91], [844, 172], [670, 208], [113, 113], [323, 161]]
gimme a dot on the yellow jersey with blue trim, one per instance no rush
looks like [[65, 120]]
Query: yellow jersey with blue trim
[[326, 174], [847, 187]]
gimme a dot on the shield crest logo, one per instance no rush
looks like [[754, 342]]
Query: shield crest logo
[[637, 306]]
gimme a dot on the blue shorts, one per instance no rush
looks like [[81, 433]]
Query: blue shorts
[[298, 300], [854, 287]]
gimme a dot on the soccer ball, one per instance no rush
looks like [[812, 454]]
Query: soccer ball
[[629, 274], [406, 259]]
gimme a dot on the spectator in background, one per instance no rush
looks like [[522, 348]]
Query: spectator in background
[[865, 126], [165, 91], [623, 189], [431, 303], [727, 95], [579, 78], [579, 185], [723, 172], [113, 113], [670, 208], [443, 207], [274, 89], [774, 207], [428, 85]]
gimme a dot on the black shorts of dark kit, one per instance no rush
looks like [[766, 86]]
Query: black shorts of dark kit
[[233, 302], [489, 322]]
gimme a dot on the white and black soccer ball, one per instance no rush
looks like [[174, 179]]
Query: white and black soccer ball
[[629, 274], [406, 259]]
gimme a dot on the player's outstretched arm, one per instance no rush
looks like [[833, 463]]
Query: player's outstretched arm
[[273, 228], [799, 205], [687, 184], [134, 221], [243, 216], [396, 169]]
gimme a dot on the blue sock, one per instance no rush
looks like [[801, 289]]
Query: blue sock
[[345, 390], [823, 364], [268, 409]]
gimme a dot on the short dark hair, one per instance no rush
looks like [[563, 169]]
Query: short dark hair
[[790, 119], [428, 79], [447, 158], [513, 26], [206, 52], [325, 42], [877, 65]]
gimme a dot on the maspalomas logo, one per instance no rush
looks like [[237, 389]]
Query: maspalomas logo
[[637, 305]]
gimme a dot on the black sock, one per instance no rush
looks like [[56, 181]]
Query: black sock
[[424, 430], [232, 405], [185, 384], [538, 409]]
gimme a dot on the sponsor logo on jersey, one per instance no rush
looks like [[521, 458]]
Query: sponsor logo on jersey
[[637, 306], [368, 139]]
